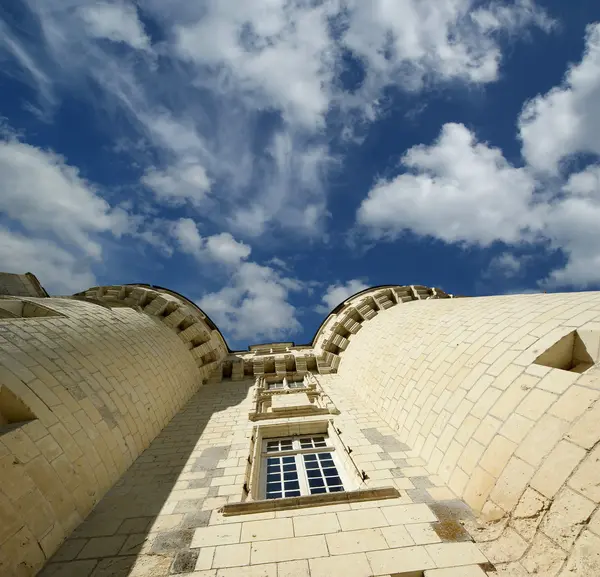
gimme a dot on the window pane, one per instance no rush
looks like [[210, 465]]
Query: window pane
[[282, 478], [299, 385], [313, 442], [322, 474], [319, 474], [279, 445]]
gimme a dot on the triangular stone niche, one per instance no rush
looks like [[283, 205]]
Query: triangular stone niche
[[576, 352], [12, 410]]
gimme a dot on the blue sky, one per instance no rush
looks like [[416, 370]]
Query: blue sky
[[269, 158]]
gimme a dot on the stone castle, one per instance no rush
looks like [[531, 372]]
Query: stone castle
[[417, 435]]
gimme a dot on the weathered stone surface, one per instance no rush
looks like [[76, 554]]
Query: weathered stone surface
[[544, 557], [510, 546], [585, 557], [566, 518]]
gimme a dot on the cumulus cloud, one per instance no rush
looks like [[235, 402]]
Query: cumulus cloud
[[53, 222], [457, 190], [254, 304], [45, 194], [572, 227], [225, 65], [61, 271], [463, 191], [186, 182], [420, 41], [116, 21], [505, 265], [224, 248], [566, 120], [338, 293], [221, 248]]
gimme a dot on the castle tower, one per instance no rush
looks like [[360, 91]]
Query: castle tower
[[417, 435]]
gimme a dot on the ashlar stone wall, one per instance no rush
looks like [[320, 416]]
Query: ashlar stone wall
[[82, 394], [164, 516], [518, 441]]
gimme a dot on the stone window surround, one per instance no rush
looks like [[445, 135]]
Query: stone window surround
[[321, 404], [349, 470], [287, 385], [262, 432], [301, 468], [356, 478]]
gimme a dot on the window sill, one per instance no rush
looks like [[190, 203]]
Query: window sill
[[262, 506]]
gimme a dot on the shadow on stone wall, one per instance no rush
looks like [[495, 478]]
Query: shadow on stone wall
[[133, 528]]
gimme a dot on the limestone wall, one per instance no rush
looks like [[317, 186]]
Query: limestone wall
[[26, 285], [82, 394], [516, 440], [164, 516]]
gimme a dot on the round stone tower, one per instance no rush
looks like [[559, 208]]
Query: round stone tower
[[86, 383], [453, 420]]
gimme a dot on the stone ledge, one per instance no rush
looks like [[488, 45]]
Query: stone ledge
[[266, 505]]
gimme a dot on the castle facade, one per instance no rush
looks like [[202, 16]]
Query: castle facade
[[418, 435]]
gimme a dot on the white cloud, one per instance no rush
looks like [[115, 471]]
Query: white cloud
[[254, 304], [44, 194], [286, 52], [186, 233], [60, 271], [338, 293], [460, 190], [224, 248], [292, 193], [410, 43], [197, 95], [221, 248], [116, 21], [465, 192], [272, 49], [566, 120], [572, 226], [505, 265], [28, 68], [179, 183]]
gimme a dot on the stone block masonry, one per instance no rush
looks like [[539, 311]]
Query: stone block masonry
[[100, 384], [482, 414], [458, 382], [163, 517]]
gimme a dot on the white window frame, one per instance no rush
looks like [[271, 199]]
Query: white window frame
[[287, 385], [298, 452], [275, 386]]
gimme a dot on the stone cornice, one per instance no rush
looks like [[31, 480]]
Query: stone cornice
[[271, 361]]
